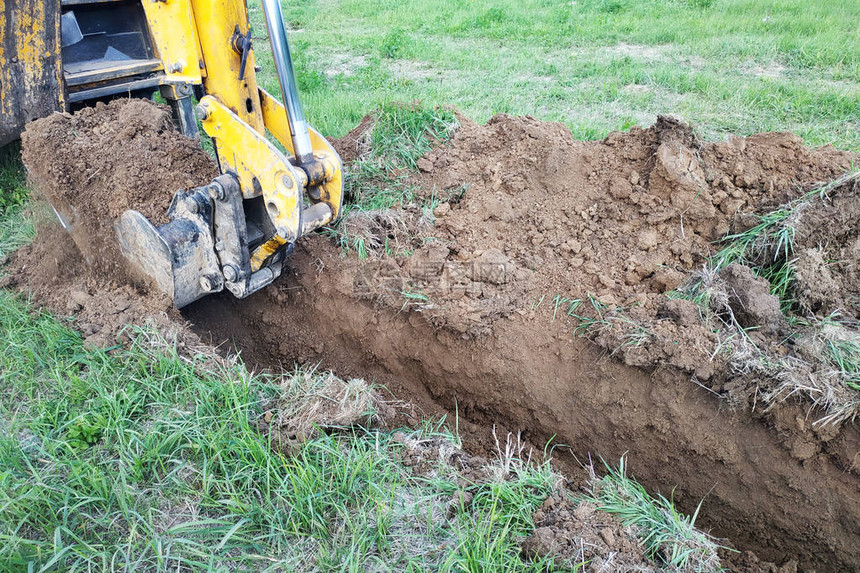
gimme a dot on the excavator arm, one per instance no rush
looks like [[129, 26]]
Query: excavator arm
[[279, 178]]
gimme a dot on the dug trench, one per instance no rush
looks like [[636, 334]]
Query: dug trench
[[475, 309]]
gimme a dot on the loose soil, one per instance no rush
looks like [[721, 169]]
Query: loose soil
[[580, 533], [95, 164], [476, 322], [828, 254]]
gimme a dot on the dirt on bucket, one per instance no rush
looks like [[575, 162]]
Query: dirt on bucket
[[534, 234], [91, 167], [95, 164]]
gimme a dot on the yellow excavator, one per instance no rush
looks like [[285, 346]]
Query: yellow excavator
[[236, 232]]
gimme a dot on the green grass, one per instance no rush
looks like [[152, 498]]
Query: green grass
[[139, 458], [669, 537], [13, 188], [730, 66], [401, 133], [16, 230]]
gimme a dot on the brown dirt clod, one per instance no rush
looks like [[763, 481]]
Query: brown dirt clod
[[751, 301], [581, 534]]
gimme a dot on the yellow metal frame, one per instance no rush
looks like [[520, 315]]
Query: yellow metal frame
[[174, 37], [238, 113], [275, 118], [29, 41], [216, 21], [261, 168]]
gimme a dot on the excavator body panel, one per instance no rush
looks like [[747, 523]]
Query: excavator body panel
[[31, 78]]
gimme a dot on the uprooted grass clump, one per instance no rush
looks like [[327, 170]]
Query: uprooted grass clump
[[393, 231], [768, 247], [669, 537], [844, 352], [816, 359], [312, 402], [819, 356]]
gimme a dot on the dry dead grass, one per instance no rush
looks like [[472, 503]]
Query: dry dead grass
[[380, 232], [313, 402]]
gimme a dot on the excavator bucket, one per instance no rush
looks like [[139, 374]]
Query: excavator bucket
[[204, 248], [148, 250], [178, 256]]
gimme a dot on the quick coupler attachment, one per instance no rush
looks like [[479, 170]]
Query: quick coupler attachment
[[204, 248]]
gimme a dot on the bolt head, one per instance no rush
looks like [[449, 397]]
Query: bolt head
[[201, 111], [231, 273], [216, 191], [207, 284], [287, 181]]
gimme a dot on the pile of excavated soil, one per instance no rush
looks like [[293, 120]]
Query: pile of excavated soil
[[92, 166], [95, 164], [106, 158], [468, 322], [622, 220]]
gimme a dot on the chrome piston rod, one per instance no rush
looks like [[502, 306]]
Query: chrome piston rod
[[287, 77]]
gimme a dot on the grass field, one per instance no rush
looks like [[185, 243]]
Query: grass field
[[140, 458], [729, 66]]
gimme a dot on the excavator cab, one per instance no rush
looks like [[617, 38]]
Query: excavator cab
[[235, 232]]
